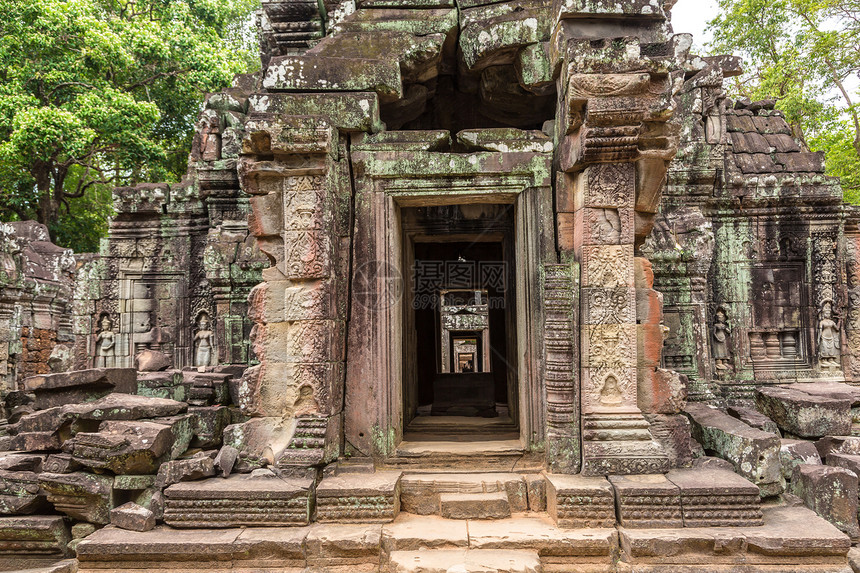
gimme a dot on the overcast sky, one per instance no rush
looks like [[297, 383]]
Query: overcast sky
[[692, 16]]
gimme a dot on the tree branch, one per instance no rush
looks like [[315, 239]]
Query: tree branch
[[69, 84], [150, 80]]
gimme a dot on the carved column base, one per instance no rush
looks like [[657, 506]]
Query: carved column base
[[626, 427], [620, 444], [615, 457], [314, 443]]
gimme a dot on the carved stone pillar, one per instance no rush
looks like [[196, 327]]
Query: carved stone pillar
[[561, 292], [616, 435], [289, 169], [616, 142], [851, 358]]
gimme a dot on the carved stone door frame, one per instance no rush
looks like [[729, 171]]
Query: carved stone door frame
[[373, 409]]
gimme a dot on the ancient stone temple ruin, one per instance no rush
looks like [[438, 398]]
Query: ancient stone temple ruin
[[450, 286]]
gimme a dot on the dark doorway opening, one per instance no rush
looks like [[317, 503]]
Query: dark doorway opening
[[460, 363], [429, 316]]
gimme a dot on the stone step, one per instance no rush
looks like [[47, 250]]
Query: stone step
[[358, 498], [239, 500], [34, 537], [475, 505], [451, 428], [791, 539], [697, 497], [420, 493], [465, 561], [453, 455], [529, 532], [25, 566]]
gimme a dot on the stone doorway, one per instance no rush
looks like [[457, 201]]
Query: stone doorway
[[405, 196], [460, 374]]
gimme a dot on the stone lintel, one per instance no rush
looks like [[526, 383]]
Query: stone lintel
[[326, 74], [636, 10], [346, 111]]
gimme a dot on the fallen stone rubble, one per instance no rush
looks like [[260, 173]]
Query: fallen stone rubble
[[123, 476], [801, 438]]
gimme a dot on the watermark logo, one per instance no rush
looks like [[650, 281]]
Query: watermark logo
[[379, 285]]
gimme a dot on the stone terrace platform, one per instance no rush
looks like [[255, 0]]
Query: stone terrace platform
[[791, 539]]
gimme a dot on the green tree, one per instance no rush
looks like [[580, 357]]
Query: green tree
[[97, 93], [801, 53]]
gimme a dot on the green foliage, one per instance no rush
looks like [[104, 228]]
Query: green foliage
[[86, 222], [97, 93], [801, 52], [837, 140]]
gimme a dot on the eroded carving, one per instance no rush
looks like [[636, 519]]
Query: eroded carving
[[105, 344], [829, 335], [721, 341]]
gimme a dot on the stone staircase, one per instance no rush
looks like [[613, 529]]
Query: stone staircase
[[489, 522], [492, 455], [464, 496]]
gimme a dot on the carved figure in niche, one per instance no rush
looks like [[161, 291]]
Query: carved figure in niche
[[306, 403], [721, 334], [105, 344], [828, 337], [204, 342], [611, 394], [608, 226]]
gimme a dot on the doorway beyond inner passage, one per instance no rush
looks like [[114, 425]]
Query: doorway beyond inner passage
[[460, 304]]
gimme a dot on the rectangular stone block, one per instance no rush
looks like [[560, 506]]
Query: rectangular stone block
[[414, 532], [474, 505], [271, 547], [348, 111], [560, 549], [168, 384], [831, 492], [619, 444], [609, 346], [580, 502], [609, 391], [806, 415], [332, 545], [565, 192], [607, 266], [603, 226], [37, 536], [237, 501], [567, 231], [753, 453], [80, 386], [359, 498], [608, 305], [717, 498], [19, 493], [311, 73], [420, 492], [647, 501], [80, 495], [606, 185], [205, 549], [445, 560]]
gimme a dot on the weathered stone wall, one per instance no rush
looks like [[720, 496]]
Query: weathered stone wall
[[178, 264], [674, 244], [750, 251], [35, 301]]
